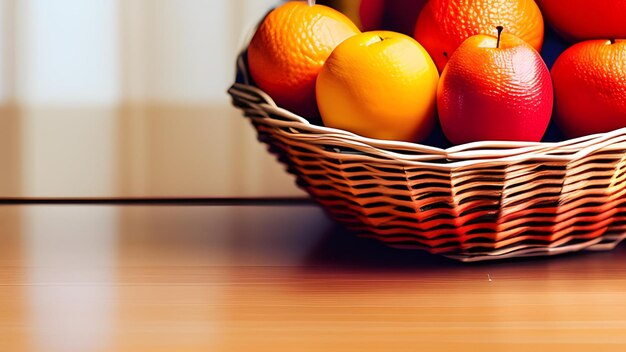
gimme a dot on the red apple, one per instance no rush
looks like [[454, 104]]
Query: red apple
[[495, 89], [394, 15]]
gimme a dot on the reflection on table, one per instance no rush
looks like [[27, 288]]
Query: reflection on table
[[283, 278]]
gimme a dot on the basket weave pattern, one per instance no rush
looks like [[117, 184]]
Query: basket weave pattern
[[477, 201]]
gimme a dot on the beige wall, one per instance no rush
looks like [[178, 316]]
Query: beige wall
[[102, 52], [127, 98]]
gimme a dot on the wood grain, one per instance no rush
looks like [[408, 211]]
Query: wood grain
[[262, 278]]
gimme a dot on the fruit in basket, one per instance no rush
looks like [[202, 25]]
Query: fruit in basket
[[495, 88], [444, 24], [380, 85], [577, 20], [394, 15], [289, 48], [590, 87]]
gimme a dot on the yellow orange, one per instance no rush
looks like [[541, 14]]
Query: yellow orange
[[379, 85], [590, 87], [289, 48], [444, 24]]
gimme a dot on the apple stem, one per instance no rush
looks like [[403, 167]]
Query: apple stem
[[612, 40], [311, 2], [500, 29]]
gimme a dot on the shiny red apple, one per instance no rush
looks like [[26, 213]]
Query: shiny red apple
[[495, 89]]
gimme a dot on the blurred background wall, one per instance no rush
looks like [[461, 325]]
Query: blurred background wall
[[127, 98], [103, 52]]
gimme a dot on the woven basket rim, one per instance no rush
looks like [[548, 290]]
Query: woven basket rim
[[412, 153]]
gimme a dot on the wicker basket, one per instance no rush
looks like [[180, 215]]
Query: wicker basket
[[477, 201]]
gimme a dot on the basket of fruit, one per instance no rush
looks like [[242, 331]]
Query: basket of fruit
[[439, 143]]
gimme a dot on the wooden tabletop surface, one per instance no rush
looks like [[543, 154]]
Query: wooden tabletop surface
[[281, 278]]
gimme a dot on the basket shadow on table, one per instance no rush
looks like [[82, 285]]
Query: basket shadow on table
[[338, 248]]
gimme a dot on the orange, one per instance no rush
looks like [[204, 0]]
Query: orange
[[491, 91], [590, 87], [444, 24], [379, 85], [578, 20], [288, 51]]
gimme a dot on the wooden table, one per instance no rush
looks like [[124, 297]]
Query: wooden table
[[280, 278]]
